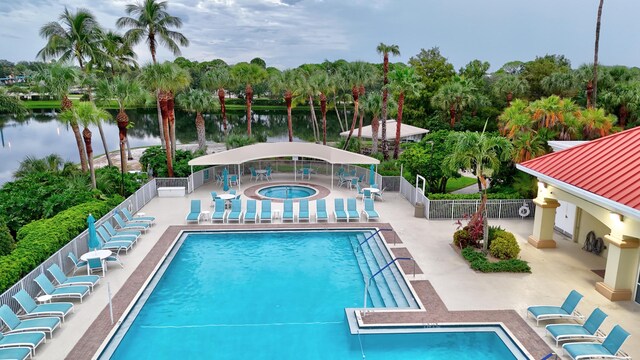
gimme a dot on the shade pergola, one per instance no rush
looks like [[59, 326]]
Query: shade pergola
[[260, 151], [406, 131]]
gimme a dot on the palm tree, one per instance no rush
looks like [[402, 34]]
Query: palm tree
[[528, 145], [50, 163], [286, 83], [118, 53], [596, 123], [385, 50], [510, 86], [563, 84], [309, 84], [358, 77], [218, 79], [516, 119], [455, 97], [372, 105], [125, 92], [197, 101], [10, 104], [87, 114], [247, 74], [403, 81], [595, 54]]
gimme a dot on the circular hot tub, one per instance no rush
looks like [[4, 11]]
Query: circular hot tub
[[287, 192]]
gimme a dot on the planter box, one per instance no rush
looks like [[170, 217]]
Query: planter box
[[174, 191]]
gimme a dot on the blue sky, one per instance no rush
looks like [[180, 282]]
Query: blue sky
[[287, 33]]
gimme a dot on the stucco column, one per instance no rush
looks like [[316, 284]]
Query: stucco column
[[543, 222], [622, 263]]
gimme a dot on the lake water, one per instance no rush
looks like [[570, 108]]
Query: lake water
[[41, 133]]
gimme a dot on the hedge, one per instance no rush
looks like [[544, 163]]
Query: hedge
[[40, 239], [478, 261], [506, 196]]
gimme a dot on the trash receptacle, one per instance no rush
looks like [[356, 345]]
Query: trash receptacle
[[419, 210]]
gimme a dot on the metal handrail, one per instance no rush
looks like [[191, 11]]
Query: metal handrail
[[372, 235], [366, 287]]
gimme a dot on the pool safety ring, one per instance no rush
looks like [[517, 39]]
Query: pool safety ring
[[524, 210]]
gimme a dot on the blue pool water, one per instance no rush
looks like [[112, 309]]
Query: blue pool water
[[287, 192], [273, 295]]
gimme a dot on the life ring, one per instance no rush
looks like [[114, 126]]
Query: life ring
[[524, 211]]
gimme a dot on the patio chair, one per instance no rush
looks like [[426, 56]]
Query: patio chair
[[108, 243], [587, 331], [195, 213], [366, 194], [321, 210], [31, 309], [566, 311], [341, 180], [306, 172], [359, 192], [338, 210], [287, 214], [30, 340], [268, 174], [352, 172], [353, 183], [340, 171], [130, 226], [130, 218], [303, 210], [251, 215], [214, 195], [234, 180], [63, 280], [369, 211], [219, 180], [15, 325], [219, 211], [77, 264], [609, 349], [352, 210], [254, 174], [379, 195], [265, 211], [113, 232], [15, 353], [67, 292], [95, 264], [361, 178], [236, 211], [232, 191]]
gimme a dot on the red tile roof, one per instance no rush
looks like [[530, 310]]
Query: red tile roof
[[609, 167]]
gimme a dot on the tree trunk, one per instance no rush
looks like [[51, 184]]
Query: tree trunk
[[287, 100], [223, 109], [589, 94], [452, 113], [360, 126], [396, 150], [152, 45], [323, 110], [249, 95], [167, 137], [202, 142], [509, 98], [86, 134], [129, 154], [623, 114], [335, 107], [595, 55], [375, 124], [172, 122], [354, 92], [314, 120], [160, 119], [80, 144], [123, 122], [104, 143], [385, 96]]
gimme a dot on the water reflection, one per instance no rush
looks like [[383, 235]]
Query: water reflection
[[42, 133]]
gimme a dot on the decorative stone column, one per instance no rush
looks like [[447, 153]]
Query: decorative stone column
[[622, 263], [543, 222]]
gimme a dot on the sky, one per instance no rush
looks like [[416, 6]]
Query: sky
[[287, 33]]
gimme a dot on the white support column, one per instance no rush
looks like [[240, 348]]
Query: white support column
[[331, 176], [239, 180]]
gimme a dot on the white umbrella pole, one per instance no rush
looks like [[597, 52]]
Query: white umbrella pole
[[110, 304]]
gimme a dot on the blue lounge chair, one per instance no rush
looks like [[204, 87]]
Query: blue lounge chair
[[129, 217], [566, 311], [303, 210], [78, 264], [107, 236], [31, 309], [113, 232], [130, 226], [609, 349], [15, 353], [287, 214], [369, 211], [195, 213], [107, 243], [236, 211], [352, 210], [338, 210], [67, 292], [265, 211], [30, 340], [321, 210], [15, 325], [63, 280], [252, 214], [588, 330], [219, 211]]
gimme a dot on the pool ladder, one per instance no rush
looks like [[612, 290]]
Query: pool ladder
[[366, 286]]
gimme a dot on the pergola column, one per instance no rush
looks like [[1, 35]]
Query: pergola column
[[622, 263], [543, 223]]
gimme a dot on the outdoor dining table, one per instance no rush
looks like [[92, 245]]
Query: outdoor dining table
[[262, 174], [227, 198], [348, 179]]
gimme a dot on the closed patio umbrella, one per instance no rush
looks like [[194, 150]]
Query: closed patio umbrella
[[92, 240], [225, 179], [372, 177]]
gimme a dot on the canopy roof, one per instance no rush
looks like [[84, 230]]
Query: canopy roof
[[405, 131], [283, 149]]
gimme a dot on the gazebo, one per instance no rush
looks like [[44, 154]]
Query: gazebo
[[294, 150]]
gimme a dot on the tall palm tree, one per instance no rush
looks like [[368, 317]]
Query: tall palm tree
[[372, 105], [149, 21], [118, 53], [286, 83], [197, 101], [385, 50], [595, 54], [248, 74], [510, 86], [358, 77], [217, 79], [309, 84], [56, 79], [403, 81], [86, 113], [456, 96]]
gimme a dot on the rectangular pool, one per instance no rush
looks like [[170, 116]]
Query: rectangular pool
[[271, 295]]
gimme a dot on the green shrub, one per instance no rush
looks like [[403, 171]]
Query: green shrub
[[478, 261], [504, 246], [109, 179], [156, 157], [505, 195], [462, 238], [354, 144], [7, 244], [40, 239], [239, 140]]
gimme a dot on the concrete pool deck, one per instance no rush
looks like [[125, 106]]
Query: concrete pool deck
[[458, 289]]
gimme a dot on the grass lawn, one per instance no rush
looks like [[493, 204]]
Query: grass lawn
[[55, 104], [459, 183]]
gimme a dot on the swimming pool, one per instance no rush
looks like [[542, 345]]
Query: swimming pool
[[287, 192], [275, 295]]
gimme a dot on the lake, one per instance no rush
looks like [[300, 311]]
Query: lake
[[41, 133]]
